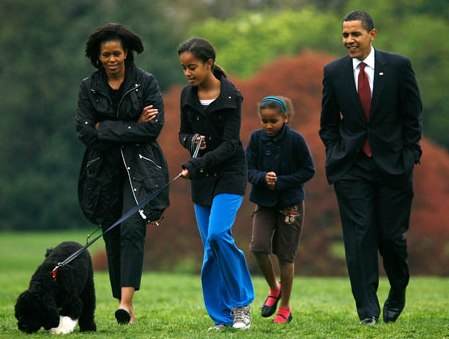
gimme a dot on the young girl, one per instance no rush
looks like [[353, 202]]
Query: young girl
[[210, 116], [279, 163]]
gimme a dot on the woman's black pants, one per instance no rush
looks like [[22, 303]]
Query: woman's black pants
[[125, 248]]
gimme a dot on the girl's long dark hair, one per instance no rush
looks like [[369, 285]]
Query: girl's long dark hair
[[203, 50], [112, 31]]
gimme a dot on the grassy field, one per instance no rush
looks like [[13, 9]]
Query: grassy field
[[170, 305]]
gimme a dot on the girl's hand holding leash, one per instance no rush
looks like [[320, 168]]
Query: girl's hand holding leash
[[185, 173], [201, 140]]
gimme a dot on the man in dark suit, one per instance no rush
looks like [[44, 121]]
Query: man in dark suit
[[371, 126]]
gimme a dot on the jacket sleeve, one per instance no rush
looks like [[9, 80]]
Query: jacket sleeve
[[411, 107], [255, 176], [306, 169], [131, 131], [185, 134], [330, 113], [85, 121], [229, 145]]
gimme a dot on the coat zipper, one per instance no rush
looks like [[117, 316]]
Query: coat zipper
[[142, 214], [90, 162], [150, 160]]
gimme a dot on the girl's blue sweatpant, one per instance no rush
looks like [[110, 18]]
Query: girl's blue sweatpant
[[224, 275]]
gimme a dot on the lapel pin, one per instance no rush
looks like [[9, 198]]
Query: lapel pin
[[381, 73]]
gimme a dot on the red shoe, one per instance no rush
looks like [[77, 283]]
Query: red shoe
[[270, 304], [283, 316]]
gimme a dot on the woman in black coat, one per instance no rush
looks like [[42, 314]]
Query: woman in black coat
[[119, 117]]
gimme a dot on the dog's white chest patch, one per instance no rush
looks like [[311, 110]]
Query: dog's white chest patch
[[66, 326]]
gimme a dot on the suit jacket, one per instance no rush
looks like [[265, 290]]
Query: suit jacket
[[395, 124]]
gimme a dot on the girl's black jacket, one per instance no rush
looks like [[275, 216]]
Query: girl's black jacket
[[221, 167], [288, 156], [120, 144]]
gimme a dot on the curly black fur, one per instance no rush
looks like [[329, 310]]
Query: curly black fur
[[72, 294]]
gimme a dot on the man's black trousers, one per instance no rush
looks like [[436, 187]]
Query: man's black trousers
[[375, 214]]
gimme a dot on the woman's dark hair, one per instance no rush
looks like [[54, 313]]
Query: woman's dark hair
[[364, 17], [203, 50], [112, 31]]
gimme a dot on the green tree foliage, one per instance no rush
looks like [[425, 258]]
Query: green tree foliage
[[247, 42], [251, 40]]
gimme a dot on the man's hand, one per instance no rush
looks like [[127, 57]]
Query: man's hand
[[148, 114], [270, 179]]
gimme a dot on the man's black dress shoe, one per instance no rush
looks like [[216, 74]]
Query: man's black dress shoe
[[369, 321], [393, 306]]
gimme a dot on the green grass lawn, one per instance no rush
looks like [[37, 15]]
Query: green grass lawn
[[171, 306]]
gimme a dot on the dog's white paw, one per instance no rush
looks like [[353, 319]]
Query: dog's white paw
[[66, 326]]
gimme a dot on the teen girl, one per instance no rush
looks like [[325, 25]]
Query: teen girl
[[279, 163], [210, 116]]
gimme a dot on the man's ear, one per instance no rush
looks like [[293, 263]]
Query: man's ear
[[373, 34]]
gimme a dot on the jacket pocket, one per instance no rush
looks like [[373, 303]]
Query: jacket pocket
[[99, 193]]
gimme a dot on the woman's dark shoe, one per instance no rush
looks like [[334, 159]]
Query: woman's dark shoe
[[270, 304], [123, 317]]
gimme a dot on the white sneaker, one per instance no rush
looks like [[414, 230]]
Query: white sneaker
[[242, 318], [216, 328]]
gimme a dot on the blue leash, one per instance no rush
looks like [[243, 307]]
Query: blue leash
[[123, 218]]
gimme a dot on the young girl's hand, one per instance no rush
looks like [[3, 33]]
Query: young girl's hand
[[185, 173], [270, 179], [148, 114]]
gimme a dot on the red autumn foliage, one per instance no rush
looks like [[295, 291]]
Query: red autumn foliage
[[176, 244]]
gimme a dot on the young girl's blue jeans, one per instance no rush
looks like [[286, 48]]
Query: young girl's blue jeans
[[224, 275]]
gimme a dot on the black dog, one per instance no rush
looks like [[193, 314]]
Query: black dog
[[71, 294]]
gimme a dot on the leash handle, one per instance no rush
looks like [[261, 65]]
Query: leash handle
[[198, 146]]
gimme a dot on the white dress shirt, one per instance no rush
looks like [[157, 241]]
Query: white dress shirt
[[369, 69]]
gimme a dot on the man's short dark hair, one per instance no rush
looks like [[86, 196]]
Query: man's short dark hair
[[364, 17]]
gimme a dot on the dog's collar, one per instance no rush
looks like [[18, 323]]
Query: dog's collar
[[54, 273]]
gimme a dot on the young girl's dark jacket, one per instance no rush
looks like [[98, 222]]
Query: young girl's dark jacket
[[221, 167], [288, 156], [120, 145]]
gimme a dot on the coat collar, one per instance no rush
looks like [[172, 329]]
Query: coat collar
[[278, 137], [99, 80], [229, 97]]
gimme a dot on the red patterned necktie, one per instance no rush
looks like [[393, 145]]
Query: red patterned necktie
[[365, 99]]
